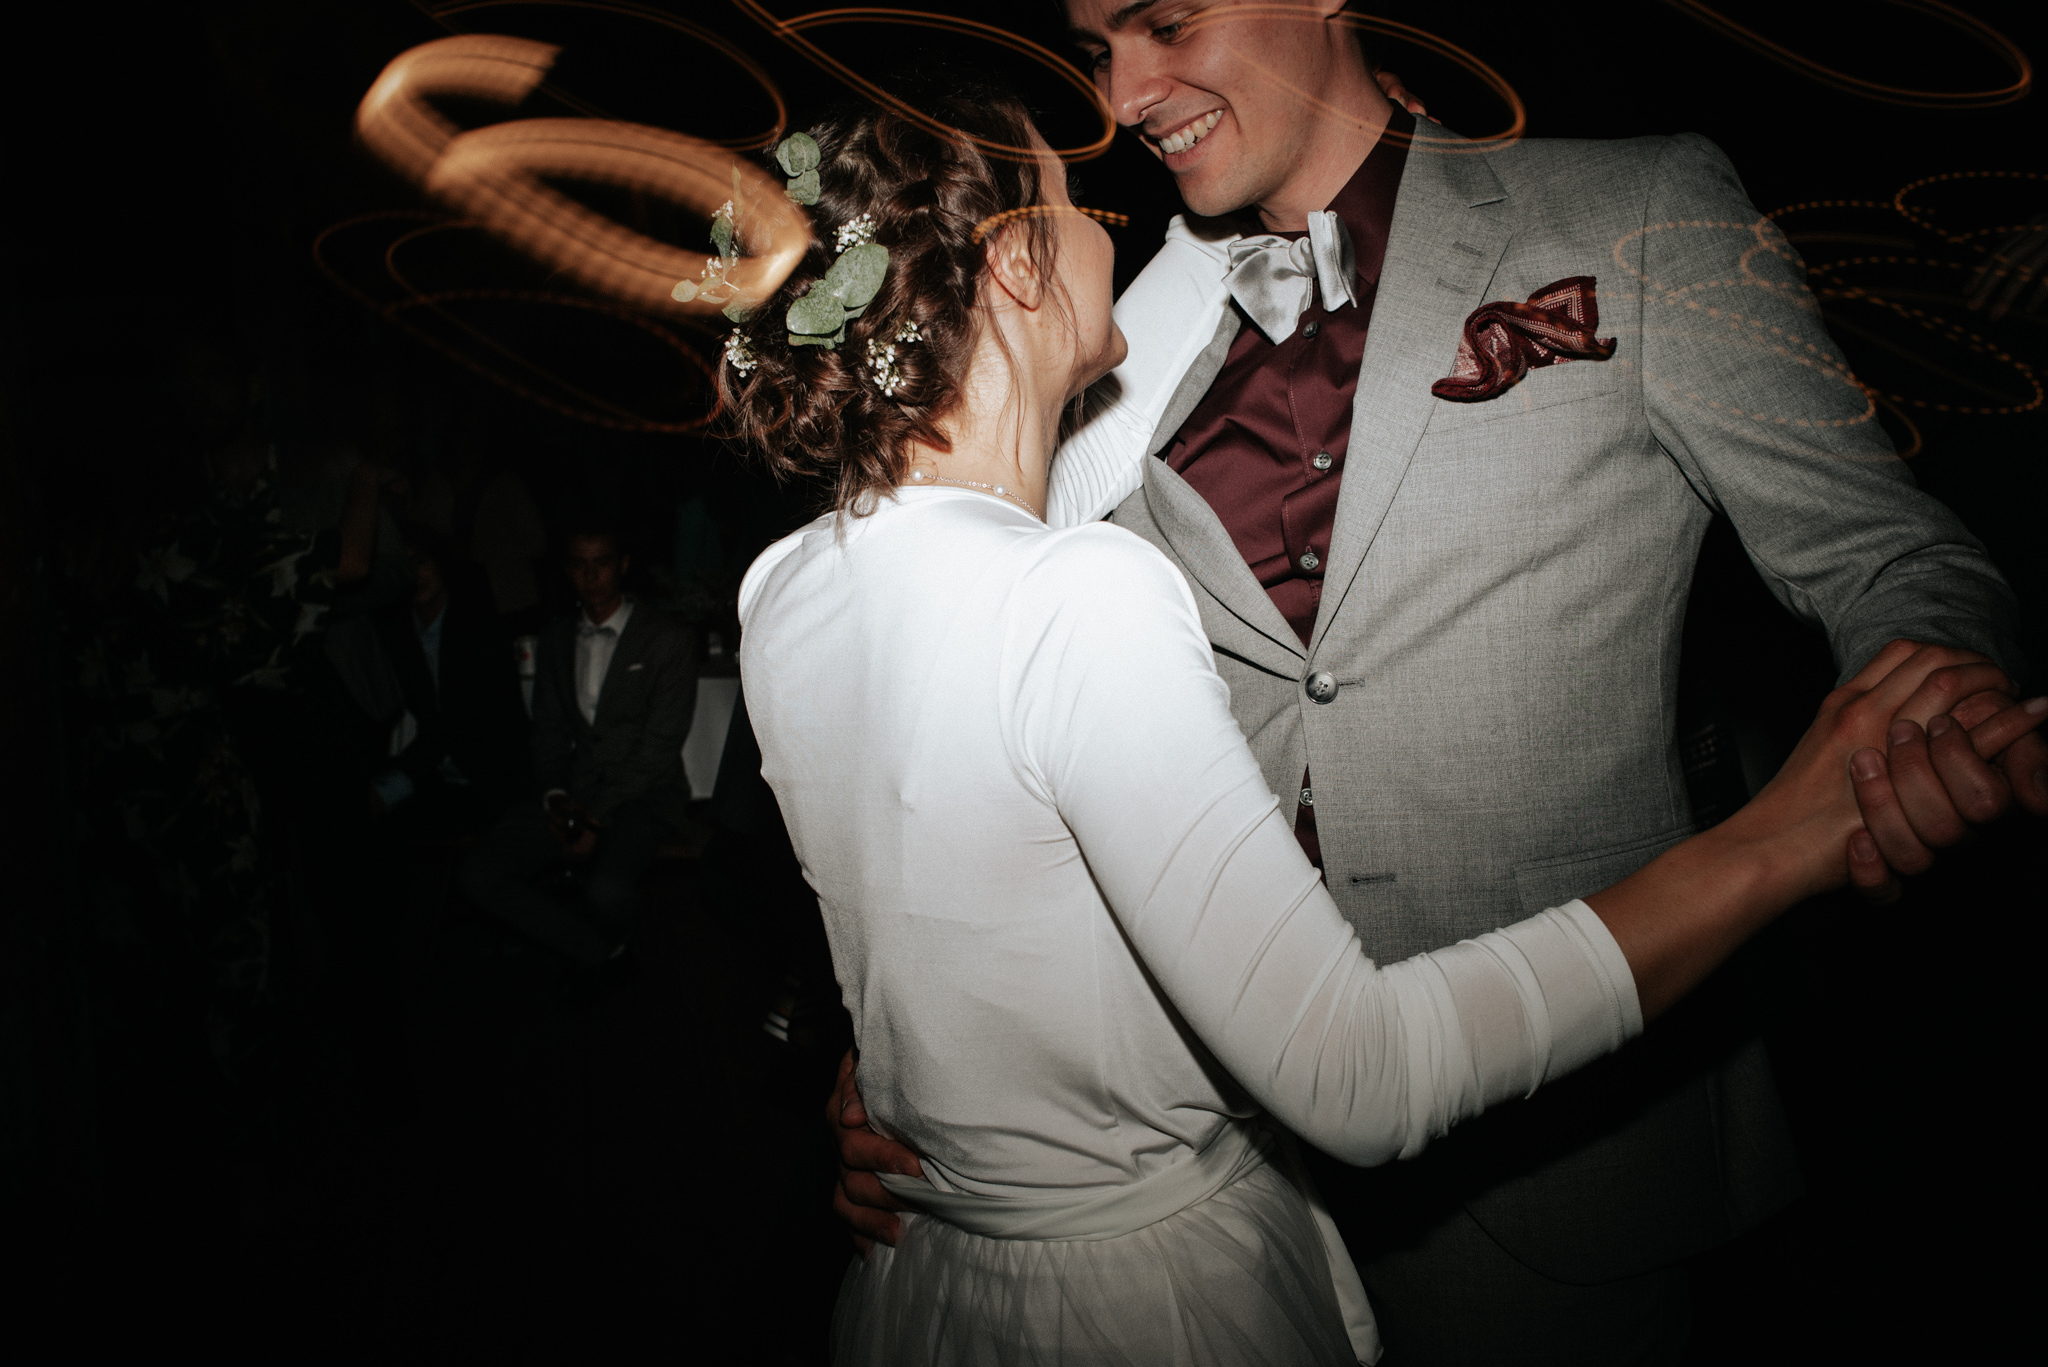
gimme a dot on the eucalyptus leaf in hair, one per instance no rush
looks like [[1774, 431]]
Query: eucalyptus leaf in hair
[[830, 343], [797, 154], [820, 315], [799, 158], [856, 277], [816, 313]]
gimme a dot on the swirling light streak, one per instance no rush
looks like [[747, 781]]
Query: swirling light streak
[[612, 413], [995, 222], [1833, 286], [1920, 221], [2004, 47], [790, 31], [492, 174], [1954, 333], [1518, 121], [1747, 330], [711, 39], [601, 412]]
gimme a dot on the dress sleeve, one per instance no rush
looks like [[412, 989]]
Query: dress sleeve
[[1117, 716], [1168, 315]]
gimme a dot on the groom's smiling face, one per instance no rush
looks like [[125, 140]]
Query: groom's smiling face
[[1224, 92]]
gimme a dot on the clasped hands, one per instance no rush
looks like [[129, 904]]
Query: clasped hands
[[1957, 752]]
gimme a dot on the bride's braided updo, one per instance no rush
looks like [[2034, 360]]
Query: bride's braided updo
[[823, 413]]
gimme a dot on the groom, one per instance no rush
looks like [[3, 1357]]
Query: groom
[[1445, 574]]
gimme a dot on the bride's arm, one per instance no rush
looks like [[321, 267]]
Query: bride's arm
[[1680, 915], [1168, 315], [1121, 717]]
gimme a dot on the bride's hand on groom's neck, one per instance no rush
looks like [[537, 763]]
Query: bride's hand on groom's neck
[[1390, 86]]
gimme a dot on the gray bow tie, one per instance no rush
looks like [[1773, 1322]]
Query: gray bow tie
[[586, 630], [1275, 280]]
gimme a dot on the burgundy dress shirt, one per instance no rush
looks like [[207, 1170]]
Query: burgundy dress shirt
[[1266, 445]]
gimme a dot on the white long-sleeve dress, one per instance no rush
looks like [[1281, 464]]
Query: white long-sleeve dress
[[1083, 952]]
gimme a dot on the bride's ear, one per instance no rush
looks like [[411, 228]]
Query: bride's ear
[[1011, 264]]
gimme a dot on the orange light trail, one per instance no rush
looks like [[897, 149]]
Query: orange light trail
[[790, 31], [493, 174], [587, 407], [995, 222], [1518, 113], [2008, 52], [724, 46]]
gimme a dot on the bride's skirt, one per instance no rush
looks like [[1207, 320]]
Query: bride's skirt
[[1239, 1280]]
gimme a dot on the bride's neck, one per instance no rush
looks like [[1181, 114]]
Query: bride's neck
[[1007, 423]]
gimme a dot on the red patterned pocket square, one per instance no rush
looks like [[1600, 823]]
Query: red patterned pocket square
[[1504, 341]]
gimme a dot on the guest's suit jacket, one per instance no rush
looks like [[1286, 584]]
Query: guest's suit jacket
[[635, 747], [1505, 589]]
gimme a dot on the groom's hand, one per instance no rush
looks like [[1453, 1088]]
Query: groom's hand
[[1955, 758], [860, 1199]]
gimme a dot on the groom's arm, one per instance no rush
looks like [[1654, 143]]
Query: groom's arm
[[1757, 406]]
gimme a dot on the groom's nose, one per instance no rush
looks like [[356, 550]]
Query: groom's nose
[[1137, 80]]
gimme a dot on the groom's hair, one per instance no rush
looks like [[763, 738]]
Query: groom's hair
[[935, 197]]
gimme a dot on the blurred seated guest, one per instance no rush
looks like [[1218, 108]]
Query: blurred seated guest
[[457, 742], [612, 699]]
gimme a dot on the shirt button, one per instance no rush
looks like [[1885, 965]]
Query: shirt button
[[1309, 560], [1322, 686], [1321, 461], [1308, 797], [1310, 329]]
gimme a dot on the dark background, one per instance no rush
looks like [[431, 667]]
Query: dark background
[[645, 1175]]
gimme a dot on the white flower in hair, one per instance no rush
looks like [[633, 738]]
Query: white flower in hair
[[857, 232], [910, 331], [738, 354], [882, 362]]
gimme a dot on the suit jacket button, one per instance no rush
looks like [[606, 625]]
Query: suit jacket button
[[1322, 685]]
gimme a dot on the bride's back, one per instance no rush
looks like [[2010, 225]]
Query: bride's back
[[915, 677]]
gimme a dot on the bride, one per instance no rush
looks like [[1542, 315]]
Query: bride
[[1083, 952]]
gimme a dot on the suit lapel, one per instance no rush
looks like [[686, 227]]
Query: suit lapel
[[1451, 227], [565, 668], [1196, 382], [1190, 526]]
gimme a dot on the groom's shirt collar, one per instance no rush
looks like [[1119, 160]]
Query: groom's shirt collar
[[1266, 445]]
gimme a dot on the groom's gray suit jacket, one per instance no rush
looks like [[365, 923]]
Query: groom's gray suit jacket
[[1506, 586]]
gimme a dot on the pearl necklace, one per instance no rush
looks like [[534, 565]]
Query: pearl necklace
[[923, 477]]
